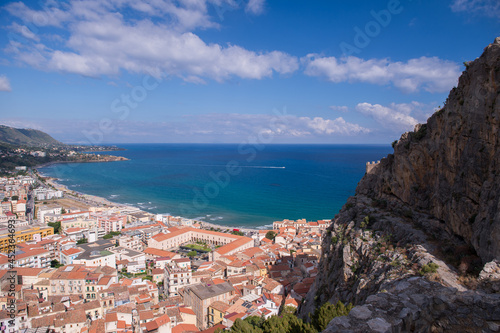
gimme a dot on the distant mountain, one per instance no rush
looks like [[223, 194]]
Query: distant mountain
[[27, 137]]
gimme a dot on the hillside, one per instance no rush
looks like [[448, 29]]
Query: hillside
[[410, 248], [26, 137]]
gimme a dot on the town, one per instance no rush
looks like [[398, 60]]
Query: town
[[84, 264]]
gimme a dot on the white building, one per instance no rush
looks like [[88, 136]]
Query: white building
[[176, 277]]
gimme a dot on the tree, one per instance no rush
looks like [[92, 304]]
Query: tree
[[63, 211], [111, 234], [192, 254], [271, 234], [255, 321], [242, 326], [323, 315], [15, 198], [55, 263], [82, 241], [289, 310], [286, 323], [238, 233], [56, 226]]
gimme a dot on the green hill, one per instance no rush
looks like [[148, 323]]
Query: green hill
[[26, 137]]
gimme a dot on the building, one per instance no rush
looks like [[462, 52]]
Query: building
[[97, 254], [200, 296], [136, 260], [176, 277], [229, 243], [133, 243], [78, 222], [216, 312], [29, 258], [23, 234], [67, 256], [44, 193], [112, 223]]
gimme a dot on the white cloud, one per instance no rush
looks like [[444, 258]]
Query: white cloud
[[4, 83], [102, 41], [255, 6], [51, 15], [214, 127], [490, 8], [339, 108], [430, 74], [24, 31], [397, 117], [282, 125]]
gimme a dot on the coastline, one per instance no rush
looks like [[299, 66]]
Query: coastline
[[96, 201], [113, 159], [169, 189]]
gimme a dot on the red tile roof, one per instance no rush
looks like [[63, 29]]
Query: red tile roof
[[187, 311], [180, 328]]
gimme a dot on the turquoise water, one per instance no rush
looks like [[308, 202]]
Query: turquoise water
[[227, 184]]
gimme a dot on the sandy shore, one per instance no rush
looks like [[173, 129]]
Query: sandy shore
[[88, 199], [207, 225]]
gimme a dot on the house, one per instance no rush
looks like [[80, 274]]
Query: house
[[216, 312], [67, 256], [158, 275], [200, 296], [160, 324], [136, 260], [188, 315]]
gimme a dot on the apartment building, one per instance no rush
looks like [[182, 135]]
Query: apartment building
[[176, 277], [23, 234]]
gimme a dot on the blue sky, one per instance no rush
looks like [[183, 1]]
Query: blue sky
[[111, 71]]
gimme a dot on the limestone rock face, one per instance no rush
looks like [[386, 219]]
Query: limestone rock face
[[450, 167], [413, 215], [417, 305]]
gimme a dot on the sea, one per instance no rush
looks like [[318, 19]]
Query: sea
[[227, 184]]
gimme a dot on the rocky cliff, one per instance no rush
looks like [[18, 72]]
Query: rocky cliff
[[430, 210]]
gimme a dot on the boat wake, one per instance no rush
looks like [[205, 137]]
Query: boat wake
[[240, 166]]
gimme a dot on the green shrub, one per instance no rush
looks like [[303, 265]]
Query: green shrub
[[429, 268], [365, 221], [420, 134], [323, 315]]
